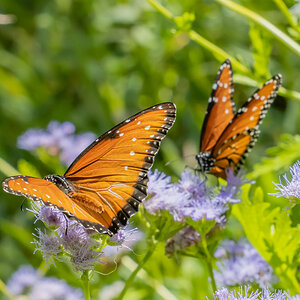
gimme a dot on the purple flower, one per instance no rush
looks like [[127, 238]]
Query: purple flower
[[291, 189], [124, 240], [58, 139], [240, 263], [48, 244], [69, 237], [244, 293], [27, 281], [22, 280], [191, 197]]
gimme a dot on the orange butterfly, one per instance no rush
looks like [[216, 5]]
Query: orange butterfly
[[106, 183], [226, 136]]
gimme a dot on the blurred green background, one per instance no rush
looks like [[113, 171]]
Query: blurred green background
[[95, 63]]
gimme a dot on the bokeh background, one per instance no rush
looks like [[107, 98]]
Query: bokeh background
[[95, 63]]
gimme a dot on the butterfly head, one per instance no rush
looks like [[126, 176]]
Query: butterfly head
[[205, 161]]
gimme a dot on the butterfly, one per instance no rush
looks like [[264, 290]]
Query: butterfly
[[227, 136], [107, 182]]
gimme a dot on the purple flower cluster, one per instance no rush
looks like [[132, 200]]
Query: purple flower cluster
[[27, 281], [191, 197], [70, 237], [240, 263], [58, 139], [67, 236], [291, 189], [245, 292]]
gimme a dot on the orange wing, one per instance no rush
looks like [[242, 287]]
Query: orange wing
[[38, 189], [220, 110], [105, 184], [241, 134]]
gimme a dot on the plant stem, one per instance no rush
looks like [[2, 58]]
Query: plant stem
[[290, 18], [130, 280], [209, 261], [86, 286], [281, 36], [219, 53]]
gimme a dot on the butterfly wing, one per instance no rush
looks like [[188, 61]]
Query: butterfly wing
[[241, 134], [220, 103], [105, 184], [43, 190], [112, 172]]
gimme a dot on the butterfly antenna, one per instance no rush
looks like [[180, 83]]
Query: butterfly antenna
[[66, 231], [21, 207], [177, 159]]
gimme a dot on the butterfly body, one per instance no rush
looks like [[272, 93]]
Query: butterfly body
[[107, 182], [227, 136]]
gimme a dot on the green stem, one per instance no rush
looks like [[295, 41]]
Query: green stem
[[290, 18], [219, 53], [86, 286], [245, 80], [7, 169], [130, 280], [5, 291], [209, 261], [281, 36]]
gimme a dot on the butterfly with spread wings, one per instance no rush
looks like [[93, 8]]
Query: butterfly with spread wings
[[226, 136], [107, 182]]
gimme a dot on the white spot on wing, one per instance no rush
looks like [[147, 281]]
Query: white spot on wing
[[121, 134], [148, 127], [134, 139], [139, 122], [132, 153]]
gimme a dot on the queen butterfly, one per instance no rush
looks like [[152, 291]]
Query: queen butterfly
[[106, 183], [226, 136]]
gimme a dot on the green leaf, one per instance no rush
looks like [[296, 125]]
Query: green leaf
[[27, 168], [162, 226], [271, 233], [185, 21], [280, 156], [262, 47]]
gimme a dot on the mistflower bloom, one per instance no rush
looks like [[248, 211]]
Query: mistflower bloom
[[58, 139], [240, 263], [68, 236], [291, 188], [244, 293], [27, 281], [48, 244], [191, 197], [124, 240], [22, 280]]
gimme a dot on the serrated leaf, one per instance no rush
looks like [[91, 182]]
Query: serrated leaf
[[280, 156], [271, 233], [261, 49]]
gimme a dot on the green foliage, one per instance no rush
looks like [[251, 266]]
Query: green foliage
[[279, 157], [262, 48], [270, 231]]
